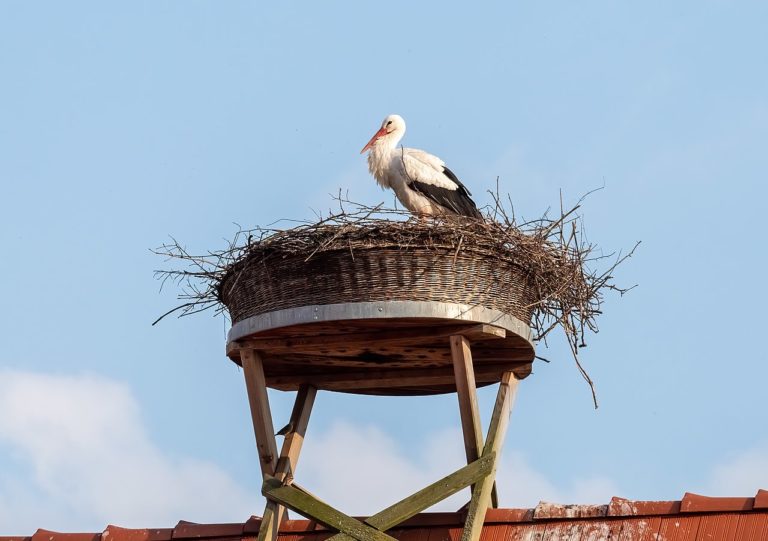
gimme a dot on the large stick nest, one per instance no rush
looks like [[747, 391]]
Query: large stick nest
[[564, 287]]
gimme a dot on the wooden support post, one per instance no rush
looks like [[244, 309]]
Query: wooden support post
[[464, 373], [481, 494], [270, 521], [466, 390], [261, 414]]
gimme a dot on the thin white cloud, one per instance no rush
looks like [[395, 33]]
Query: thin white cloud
[[740, 475], [361, 470], [89, 461], [82, 459], [522, 485]]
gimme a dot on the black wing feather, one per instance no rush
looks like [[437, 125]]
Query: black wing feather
[[458, 200], [451, 175]]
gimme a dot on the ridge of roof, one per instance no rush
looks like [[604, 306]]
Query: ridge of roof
[[616, 510]]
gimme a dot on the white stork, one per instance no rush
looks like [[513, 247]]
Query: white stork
[[421, 181]]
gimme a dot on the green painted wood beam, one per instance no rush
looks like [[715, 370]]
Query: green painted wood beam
[[310, 507], [428, 496]]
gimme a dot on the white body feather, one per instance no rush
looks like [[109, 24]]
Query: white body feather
[[395, 168]]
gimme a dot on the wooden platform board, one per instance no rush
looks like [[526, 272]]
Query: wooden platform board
[[383, 355]]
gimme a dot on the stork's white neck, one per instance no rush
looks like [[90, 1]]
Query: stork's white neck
[[380, 158]]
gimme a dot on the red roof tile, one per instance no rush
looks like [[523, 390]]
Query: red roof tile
[[252, 525], [753, 527], [693, 518], [47, 535], [679, 527], [640, 529], [719, 527], [116, 533], [160, 534], [508, 515], [693, 503], [621, 507], [761, 500], [556, 510], [191, 530]]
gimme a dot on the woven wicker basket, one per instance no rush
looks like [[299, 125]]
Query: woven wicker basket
[[266, 283]]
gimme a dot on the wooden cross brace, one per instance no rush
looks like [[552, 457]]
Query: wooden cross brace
[[277, 471]]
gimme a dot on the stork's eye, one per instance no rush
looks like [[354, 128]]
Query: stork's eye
[[388, 123]]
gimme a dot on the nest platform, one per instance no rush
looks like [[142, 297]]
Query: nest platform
[[357, 300], [374, 309], [382, 347], [359, 303]]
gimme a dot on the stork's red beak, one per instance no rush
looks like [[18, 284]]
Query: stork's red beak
[[376, 135]]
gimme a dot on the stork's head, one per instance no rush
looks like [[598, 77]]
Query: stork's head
[[391, 131]]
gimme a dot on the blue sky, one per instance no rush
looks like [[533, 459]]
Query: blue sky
[[121, 124]]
